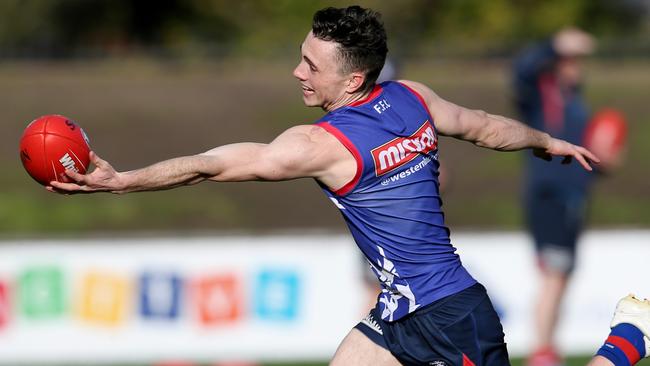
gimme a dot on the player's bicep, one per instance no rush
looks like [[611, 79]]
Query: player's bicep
[[450, 119], [296, 153], [231, 163], [460, 122], [293, 154]]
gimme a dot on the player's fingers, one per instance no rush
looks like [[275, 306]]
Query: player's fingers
[[57, 191], [67, 187], [581, 159], [591, 156], [79, 178], [94, 158], [97, 161]]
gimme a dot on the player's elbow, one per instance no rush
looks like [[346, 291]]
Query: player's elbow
[[500, 133], [490, 137], [480, 130], [206, 164]]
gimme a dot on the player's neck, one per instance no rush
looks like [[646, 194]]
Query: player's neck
[[348, 99]]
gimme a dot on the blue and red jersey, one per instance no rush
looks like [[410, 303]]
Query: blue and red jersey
[[392, 206]]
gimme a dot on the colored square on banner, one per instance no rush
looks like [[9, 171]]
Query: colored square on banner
[[219, 299], [4, 304], [103, 298], [160, 295], [277, 294], [41, 292]]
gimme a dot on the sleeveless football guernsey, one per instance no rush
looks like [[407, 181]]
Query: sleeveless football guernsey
[[392, 206]]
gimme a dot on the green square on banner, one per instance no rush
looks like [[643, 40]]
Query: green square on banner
[[41, 292]]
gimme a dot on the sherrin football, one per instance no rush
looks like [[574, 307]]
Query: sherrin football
[[606, 136], [51, 144]]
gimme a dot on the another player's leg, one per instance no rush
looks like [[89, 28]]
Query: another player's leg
[[555, 218], [553, 285], [629, 339], [358, 349]]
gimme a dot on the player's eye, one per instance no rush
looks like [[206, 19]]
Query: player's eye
[[309, 63]]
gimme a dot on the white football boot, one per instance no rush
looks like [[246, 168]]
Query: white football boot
[[633, 311]]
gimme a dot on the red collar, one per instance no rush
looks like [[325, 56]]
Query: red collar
[[373, 94]]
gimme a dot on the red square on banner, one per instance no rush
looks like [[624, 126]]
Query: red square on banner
[[219, 299], [4, 304]]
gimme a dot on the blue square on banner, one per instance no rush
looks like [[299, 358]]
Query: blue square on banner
[[277, 294], [160, 295]]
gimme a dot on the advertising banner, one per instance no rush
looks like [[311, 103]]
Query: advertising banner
[[267, 298], [144, 300]]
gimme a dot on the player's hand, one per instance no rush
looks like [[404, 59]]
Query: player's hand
[[557, 147], [102, 179]]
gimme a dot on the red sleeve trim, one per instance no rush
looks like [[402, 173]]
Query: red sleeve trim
[[348, 187], [418, 95], [424, 104]]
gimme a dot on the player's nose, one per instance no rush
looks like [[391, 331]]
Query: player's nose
[[299, 72]]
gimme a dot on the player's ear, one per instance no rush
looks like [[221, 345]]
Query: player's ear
[[355, 82]]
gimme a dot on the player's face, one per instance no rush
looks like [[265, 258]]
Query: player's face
[[319, 72], [568, 70]]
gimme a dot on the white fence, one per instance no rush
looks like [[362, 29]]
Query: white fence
[[265, 298]]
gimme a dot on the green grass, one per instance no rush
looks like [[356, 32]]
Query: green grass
[[138, 112]]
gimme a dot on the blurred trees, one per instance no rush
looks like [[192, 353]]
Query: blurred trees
[[68, 28]]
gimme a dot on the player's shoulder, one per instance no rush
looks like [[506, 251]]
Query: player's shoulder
[[419, 88], [411, 84], [314, 133], [319, 144], [303, 129]]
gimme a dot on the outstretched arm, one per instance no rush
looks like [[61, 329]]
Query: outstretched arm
[[497, 132], [301, 151]]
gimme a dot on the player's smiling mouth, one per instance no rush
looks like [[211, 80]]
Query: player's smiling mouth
[[306, 90]]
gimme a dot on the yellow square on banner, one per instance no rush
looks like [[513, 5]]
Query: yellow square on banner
[[103, 298]]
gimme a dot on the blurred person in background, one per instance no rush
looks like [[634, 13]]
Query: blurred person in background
[[375, 155], [548, 94]]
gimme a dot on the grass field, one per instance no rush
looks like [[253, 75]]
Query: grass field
[[138, 112]]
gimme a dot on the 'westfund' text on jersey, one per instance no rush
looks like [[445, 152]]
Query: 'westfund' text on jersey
[[392, 206]]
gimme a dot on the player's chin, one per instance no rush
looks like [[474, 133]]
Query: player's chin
[[310, 101], [309, 98]]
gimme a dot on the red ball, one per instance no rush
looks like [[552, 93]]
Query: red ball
[[606, 136], [50, 145]]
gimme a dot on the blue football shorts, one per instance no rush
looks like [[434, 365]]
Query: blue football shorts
[[462, 329], [555, 217]]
